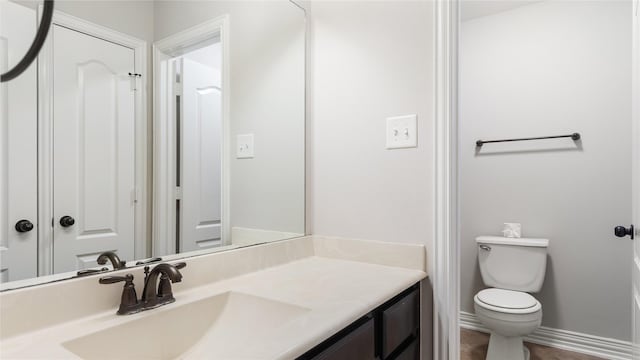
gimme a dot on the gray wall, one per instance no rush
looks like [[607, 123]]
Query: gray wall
[[545, 69], [368, 62], [267, 99]]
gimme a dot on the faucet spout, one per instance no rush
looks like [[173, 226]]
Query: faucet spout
[[111, 256], [154, 295]]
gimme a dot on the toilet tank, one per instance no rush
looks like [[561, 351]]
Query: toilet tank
[[512, 263]]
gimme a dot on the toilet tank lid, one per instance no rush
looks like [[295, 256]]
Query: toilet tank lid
[[500, 240]]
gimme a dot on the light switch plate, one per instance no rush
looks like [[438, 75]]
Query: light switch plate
[[244, 146], [402, 132]]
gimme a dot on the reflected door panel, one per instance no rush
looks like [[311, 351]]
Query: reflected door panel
[[635, 176], [201, 157], [18, 147], [94, 153]]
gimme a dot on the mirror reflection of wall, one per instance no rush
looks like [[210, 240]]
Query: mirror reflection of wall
[[149, 128]]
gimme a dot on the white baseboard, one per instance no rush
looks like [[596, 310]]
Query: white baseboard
[[563, 339]]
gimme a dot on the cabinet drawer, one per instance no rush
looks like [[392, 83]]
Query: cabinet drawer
[[411, 352], [400, 321], [359, 344]]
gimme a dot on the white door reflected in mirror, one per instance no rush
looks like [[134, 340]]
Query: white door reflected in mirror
[[122, 136], [18, 148], [201, 150], [93, 150]]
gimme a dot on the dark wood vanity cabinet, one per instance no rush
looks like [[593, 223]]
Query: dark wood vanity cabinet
[[390, 332], [400, 322], [351, 343]]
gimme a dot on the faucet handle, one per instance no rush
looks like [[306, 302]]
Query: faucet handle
[[91, 271], [115, 279], [129, 301], [180, 265], [149, 261]]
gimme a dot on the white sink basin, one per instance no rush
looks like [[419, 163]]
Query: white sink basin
[[208, 328]]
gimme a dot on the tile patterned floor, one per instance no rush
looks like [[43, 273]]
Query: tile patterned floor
[[473, 346]]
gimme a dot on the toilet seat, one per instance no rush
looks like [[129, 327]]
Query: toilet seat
[[507, 301]]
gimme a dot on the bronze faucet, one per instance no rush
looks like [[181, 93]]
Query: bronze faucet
[[115, 260], [154, 294], [129, 303], [86, 272]]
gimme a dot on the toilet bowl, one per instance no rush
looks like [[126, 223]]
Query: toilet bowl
[[510, 315], [512, 268]]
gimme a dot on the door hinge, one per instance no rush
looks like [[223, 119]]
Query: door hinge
[[134, 195], [177, 78], [178, 193], [134, 80], [177, 87]]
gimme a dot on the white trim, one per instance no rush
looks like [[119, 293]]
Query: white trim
[[45, 158], [605, 348], [163, 161], [446, 239], [635, 190], [163, 143], [45, 134]]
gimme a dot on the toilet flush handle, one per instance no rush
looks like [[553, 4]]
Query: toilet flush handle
[[485, 247]]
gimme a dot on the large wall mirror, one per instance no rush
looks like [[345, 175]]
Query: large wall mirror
[[146, 130]]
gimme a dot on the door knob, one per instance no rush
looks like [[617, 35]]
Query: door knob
[[24, 226], [67, 221], [622, 231]]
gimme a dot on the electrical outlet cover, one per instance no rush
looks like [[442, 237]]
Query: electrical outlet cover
[[402, 132], [244, 146]]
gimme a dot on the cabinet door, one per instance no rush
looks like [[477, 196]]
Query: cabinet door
[[410, 352], [400, 321], [18, 146], [359, 344], [94, 149]]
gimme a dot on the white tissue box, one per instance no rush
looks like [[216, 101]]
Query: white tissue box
[[512, 230]]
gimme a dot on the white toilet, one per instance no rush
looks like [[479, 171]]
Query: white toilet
[[512, 267]]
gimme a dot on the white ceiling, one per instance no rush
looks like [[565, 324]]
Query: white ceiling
[[472, 9]]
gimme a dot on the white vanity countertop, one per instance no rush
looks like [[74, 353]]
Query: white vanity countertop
[[332, 292]]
